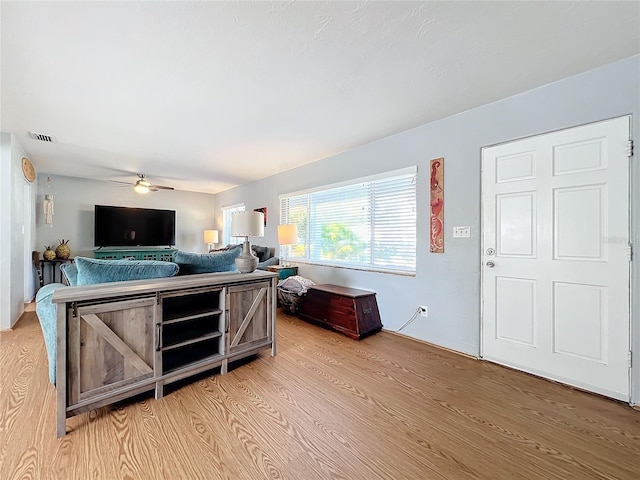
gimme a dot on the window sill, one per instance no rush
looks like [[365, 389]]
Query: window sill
[[402, 273]]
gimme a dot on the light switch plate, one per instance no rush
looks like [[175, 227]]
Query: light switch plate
[[461, 232]]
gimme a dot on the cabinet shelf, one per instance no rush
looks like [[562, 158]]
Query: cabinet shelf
[[185, 318], [195, 329], [191, 305], [199, 338], [193, 364], [185, 355]]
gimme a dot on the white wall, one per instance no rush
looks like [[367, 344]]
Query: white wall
[[449, 283], [21, 208], [16, 203], [5, 230], [75, 198]]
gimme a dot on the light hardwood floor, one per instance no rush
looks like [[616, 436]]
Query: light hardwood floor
[[326, 407]]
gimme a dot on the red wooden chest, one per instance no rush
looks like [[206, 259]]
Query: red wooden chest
[[347, 310]]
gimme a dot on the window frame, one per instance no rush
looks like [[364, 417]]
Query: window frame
[[227, 212], [306, 258]]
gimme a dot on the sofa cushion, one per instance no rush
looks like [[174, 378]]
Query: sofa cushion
[[263, 253], [217, 261], [94, 270], [70, 272]]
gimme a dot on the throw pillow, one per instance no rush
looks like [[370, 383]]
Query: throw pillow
[[94, 270], [219, 261], [263, 253], [70, 272], [225, 249]]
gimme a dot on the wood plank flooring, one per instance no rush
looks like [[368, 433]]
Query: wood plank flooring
[[326, 407]]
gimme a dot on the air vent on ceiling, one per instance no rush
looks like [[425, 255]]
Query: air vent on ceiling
[[42, 137]]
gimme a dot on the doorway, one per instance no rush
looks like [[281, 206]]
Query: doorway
[[555, 256]]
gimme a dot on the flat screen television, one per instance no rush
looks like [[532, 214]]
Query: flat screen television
[[134, 227]]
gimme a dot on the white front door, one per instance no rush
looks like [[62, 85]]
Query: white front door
[[555, 260]]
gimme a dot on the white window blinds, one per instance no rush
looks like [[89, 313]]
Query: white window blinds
[[368, 223]]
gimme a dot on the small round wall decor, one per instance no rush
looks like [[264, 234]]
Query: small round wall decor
[[28, 170]]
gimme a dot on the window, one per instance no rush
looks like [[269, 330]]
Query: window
[[368, 223], [226, 221]]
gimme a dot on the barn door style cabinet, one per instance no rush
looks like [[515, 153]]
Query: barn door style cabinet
[[110, 348], [121, 339], [249, 319]]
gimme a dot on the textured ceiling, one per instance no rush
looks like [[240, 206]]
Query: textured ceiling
[[208, 95]]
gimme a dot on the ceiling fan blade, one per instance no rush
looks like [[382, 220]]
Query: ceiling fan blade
[[121, 183], [160, 187]]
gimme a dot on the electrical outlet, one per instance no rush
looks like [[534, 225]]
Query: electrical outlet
[[424, 312]]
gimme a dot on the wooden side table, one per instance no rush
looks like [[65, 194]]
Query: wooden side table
[[282, 271], [347, 310]]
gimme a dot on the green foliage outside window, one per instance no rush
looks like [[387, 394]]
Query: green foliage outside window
[[341, 243]]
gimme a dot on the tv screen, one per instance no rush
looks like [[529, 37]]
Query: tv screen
[[133, 227]]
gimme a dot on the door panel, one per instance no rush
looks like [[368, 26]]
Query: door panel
[[580, 223], [510, 168], [516, 228], [580, 321], [515, 307], [249, 315], [579, 157], [110, 345], [555, 274]]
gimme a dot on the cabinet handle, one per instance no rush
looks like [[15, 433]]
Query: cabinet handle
[[158, 336], [366, 310]]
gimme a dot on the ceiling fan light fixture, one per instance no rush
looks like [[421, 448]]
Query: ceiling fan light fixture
[[141, 187]]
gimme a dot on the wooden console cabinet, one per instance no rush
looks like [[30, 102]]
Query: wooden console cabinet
[[120, 339], [347, 310]]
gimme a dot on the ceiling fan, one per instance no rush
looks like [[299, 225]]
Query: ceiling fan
[[143, 186]]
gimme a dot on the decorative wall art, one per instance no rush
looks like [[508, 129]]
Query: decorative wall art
[[47, 204], [436, 223], [28, 170], [264, 212]]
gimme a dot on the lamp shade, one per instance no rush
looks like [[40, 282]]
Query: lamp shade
[[287, 234], [247, 224], [211, 236]]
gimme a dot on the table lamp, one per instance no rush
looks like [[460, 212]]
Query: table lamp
[[210, 238], [247, 224], [287, 235]]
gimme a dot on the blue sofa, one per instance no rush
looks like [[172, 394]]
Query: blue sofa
[[266, 255], [89, 271]]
